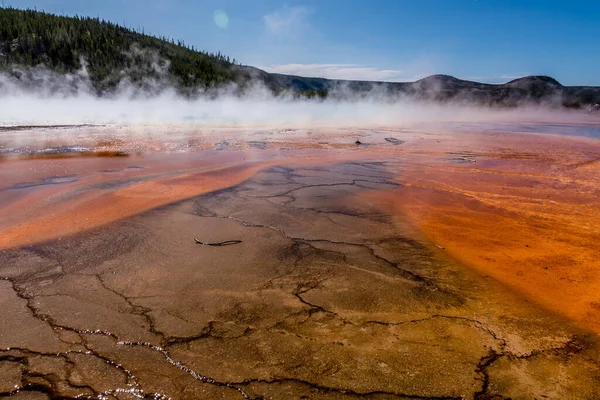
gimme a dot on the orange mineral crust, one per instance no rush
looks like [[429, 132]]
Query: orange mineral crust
[[43, 199], [97, 207], [529, 218], [522, 208]]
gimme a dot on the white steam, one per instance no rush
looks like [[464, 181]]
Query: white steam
[[37, 96]]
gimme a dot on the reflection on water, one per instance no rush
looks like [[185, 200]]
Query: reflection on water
[[554, 129]]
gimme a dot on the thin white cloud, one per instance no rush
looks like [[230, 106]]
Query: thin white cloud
[[485, 79], [504, 78], [473, 78], [288, 21], [337, 71], [510, 77]]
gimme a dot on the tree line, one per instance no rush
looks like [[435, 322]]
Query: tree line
[[62, 43]]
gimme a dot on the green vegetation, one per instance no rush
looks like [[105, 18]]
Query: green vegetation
[[111, 53], [61, 43]]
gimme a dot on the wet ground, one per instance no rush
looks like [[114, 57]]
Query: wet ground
[[349, 282], [587, 130]]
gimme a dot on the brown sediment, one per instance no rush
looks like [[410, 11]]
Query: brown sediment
[[326, 295], [54, 156], [323, 298], [74, 154]]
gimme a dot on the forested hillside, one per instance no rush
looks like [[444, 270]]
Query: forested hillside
[[111, 54], [61, 43]]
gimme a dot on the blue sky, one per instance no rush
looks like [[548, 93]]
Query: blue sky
[[396, 40]]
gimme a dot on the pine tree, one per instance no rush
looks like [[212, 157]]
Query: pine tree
[[33, 38]]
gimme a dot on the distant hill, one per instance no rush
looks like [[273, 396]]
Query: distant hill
[[112, 55]]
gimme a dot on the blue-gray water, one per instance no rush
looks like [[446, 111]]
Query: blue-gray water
[[555, 129]]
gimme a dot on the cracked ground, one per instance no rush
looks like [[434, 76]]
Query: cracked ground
[[326, 297]]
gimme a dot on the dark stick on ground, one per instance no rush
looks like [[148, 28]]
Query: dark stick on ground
[[225, 243]]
